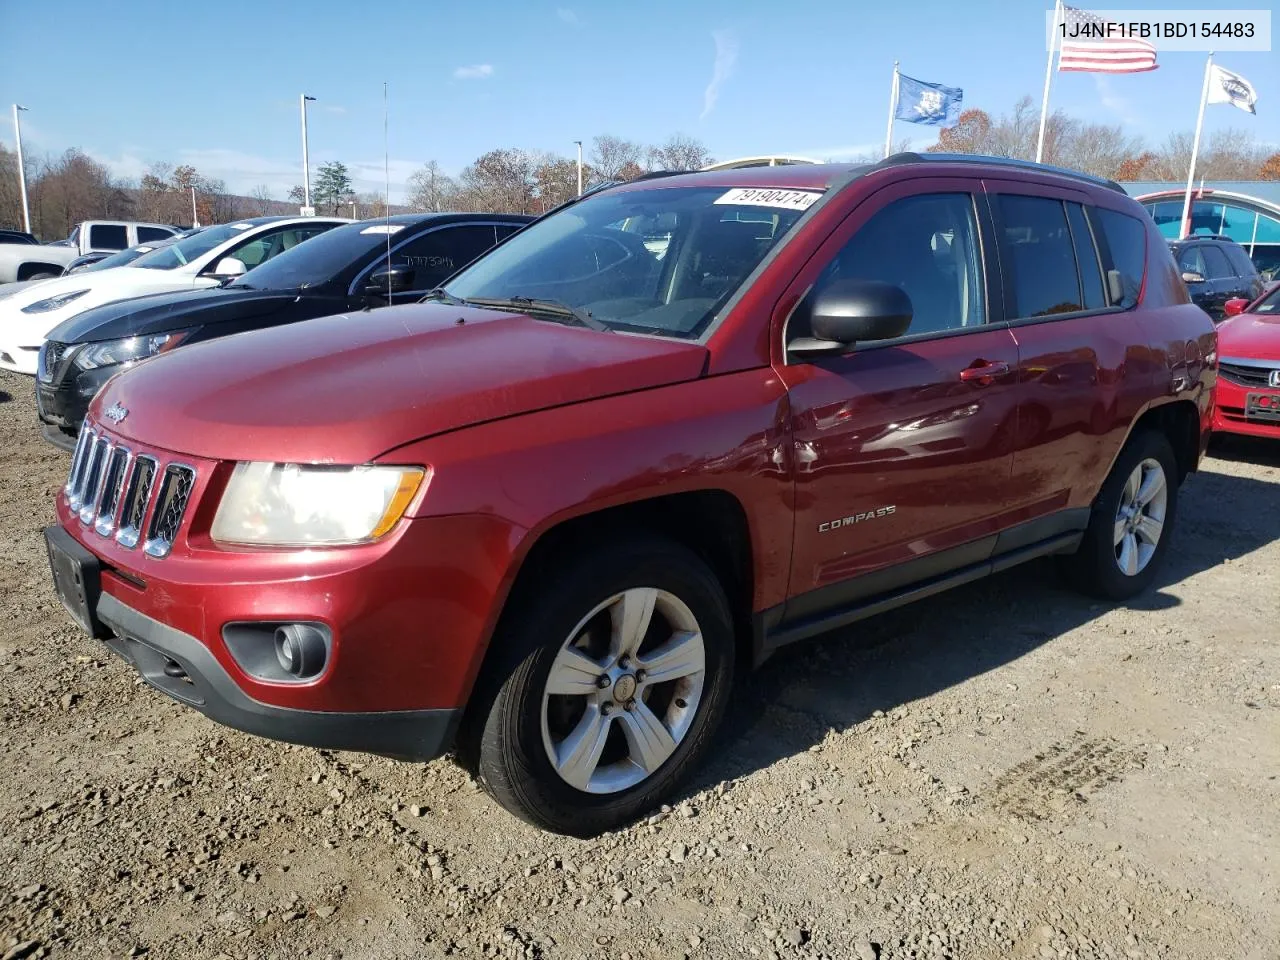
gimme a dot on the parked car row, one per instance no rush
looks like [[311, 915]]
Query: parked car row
[[545, 515]]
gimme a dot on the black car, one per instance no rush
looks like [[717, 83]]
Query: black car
[[17, 236], [1215, 270], [343, 269]]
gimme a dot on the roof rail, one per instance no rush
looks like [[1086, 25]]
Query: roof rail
[[1203, 236], [901, 158]]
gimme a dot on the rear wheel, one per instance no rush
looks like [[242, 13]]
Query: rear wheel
[[1131, 522], [614, 678]]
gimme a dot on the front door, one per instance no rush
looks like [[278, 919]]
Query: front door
[[903, 448]]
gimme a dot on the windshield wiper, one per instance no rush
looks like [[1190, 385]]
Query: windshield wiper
[[582, 318], [443, 295]]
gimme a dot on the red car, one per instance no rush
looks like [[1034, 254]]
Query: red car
[[545, 519], [1248, 393]]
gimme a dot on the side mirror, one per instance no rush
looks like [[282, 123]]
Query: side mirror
[[1190, 276], [229, 267], [850, 311], [1235, 306], [394, 279]]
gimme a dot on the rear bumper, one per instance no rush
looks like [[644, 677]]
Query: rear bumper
[[181, 667]]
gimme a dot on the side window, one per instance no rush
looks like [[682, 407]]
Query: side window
[[438, 254], [1215, 262], [1086, 258], [148, 234], [928, 246], [1240, 261], [507, 229], [108, 236], [1126, 242], [1040, 257], [262, 248], [1190, 260]]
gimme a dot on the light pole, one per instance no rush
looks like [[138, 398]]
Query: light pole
[[22, 169], [579, 143], [306, 163]]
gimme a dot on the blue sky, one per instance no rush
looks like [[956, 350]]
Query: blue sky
[[217, 84]]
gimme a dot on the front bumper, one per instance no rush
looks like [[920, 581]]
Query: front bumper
[[1229, 411], [62, 404], [180, 666]]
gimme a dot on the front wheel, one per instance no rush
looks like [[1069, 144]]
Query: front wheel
[[610, 682], [1131, 522]]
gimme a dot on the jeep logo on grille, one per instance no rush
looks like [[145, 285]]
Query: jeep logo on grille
[[116, 412]]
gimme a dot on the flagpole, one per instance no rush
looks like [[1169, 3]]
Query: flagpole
[[893, 104], [1048, 78], [1195, 149]]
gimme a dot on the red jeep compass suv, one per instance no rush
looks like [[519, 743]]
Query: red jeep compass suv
[[543, 518]]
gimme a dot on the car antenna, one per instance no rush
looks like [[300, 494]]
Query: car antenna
[[386, 169]]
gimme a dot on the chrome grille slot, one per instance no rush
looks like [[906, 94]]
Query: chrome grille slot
[[171, 503], [112, 487], [77, 464], [91, 484], [137, 493]]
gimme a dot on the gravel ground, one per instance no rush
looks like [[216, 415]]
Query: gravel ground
[[1004, 771]]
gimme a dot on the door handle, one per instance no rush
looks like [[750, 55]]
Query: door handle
[[983, 373]]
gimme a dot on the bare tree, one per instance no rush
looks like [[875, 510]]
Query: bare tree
[[262, 194], [431, 190], [679, 152], [555, 180], [501, 181], [611, 155]]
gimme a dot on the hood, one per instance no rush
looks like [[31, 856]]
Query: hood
[[9, 289], [346, 388], [162, 312], [99, 286], [1253, 336]]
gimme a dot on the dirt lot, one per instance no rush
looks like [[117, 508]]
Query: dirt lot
[[1006, 771]]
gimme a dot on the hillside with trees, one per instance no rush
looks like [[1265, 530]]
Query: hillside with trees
[[66, 189]]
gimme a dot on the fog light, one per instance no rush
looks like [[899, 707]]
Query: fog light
[[300, 649]]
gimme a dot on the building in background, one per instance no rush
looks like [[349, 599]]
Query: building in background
[[1246, 211]]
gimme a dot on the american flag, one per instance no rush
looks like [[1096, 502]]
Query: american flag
[[1093, 50]]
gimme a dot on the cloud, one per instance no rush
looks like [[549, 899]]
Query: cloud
[[478, 71], [1112, 101], [568, 16], [726, 57], [333, 108]]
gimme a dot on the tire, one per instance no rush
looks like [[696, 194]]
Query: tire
[[587, 610], [1105, 566], [46, 275]]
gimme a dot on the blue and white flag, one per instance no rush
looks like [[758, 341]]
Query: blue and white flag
[[931, 103]]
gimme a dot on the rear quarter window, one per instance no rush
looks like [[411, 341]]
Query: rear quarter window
[[1240, 261], [1126, 239]]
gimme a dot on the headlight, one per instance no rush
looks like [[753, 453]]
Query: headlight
[[287, 504], [109, 353], [53, 303]]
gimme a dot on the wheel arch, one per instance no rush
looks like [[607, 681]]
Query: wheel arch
[[1180, 422], [27, 270]]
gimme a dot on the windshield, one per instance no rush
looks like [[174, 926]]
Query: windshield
[[191, 248], [127, 256], [1269, 304], [661, 260], [324, 257]]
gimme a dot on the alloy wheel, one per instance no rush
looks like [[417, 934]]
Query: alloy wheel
[[1140, 516]]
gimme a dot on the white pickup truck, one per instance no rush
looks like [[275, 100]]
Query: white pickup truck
[[25, 261]]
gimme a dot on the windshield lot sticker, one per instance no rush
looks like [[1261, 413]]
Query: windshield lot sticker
[[387, 228], [757, 197]]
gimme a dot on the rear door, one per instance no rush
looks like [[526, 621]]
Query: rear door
[[434, 255], [1084, 369], [902, 449]]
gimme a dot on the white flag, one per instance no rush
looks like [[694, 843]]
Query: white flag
[[1228, 87]]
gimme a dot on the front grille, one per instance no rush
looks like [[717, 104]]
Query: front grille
[[116, 491], [175, 490], [51, 354], [1245, 375]]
